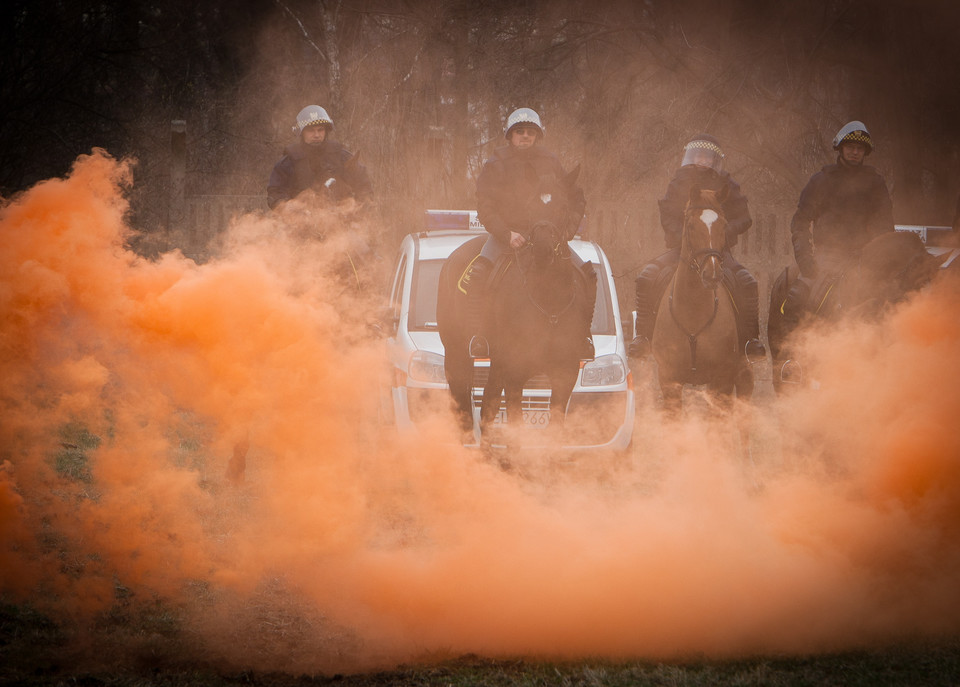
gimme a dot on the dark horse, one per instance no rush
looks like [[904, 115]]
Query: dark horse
[[538, 305], [695, 338], [888, 267]]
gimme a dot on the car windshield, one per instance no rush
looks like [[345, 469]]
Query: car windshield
[[423, 295], [423, 300]]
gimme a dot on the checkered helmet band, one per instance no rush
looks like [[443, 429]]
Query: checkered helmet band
[[858, 137], [704, 145], [855, 132], [310, 116]]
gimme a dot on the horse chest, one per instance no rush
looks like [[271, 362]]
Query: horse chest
[[694, 337]]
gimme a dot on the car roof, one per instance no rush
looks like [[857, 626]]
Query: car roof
[[437, 245]]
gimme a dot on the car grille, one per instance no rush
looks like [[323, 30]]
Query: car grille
[[481, 373], [529, 402]]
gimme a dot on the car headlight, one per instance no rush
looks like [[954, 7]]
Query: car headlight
[[606, 370], [426, 366]]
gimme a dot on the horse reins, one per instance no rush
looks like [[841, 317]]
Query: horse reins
[[692, 338], [551, 318], [694, 265]]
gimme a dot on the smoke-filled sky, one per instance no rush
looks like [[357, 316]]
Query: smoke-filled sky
[[346, 548]]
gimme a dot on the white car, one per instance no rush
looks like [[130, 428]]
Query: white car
[[600, 413], [940, 241]]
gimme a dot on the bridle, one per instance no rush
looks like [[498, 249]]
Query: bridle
[[558, 249], [707, 253], [697, 263], [698, 260]]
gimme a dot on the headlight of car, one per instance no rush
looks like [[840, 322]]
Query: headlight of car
[[426, 366], [606, 370]]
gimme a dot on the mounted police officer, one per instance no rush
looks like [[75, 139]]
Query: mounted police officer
[[509, 184], [317, 162], [701, 167], [841, 209]]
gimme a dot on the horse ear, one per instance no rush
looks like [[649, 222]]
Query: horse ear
[[571, 178]]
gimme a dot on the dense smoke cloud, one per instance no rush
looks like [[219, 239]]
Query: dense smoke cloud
[[344, 547]]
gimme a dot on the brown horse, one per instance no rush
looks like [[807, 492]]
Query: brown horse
[[695, 336], [889, 267]]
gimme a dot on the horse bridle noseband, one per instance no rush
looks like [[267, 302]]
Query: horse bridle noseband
[[694, 263]]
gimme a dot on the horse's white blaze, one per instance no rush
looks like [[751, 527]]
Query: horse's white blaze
[[708, 217], [545, 198]]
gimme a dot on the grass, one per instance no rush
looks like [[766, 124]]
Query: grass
[[140, 643], [34, 650]]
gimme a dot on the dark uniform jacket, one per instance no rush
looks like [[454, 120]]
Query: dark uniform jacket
[[510, 185], [847, 206], [310, 166], [674, 203]]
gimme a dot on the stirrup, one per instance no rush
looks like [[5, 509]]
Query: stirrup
[[791, 372], [479, 348], [755, 351]]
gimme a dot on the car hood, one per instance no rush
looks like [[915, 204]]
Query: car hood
[[427, 341]]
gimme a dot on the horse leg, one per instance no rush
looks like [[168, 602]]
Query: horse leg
[[237, 466], [490, 404], [562, 382], [513, 397], [513, 400], [672, 399], [459, 371]]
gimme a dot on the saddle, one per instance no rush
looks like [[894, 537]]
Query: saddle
[[729, 283], [493, 277], [801, 296]]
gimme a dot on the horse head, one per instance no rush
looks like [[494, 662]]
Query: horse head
[[704, 236], [547, 243], [552, 202]]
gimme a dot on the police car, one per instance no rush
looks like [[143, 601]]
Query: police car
[[600, 412], [939, 241]]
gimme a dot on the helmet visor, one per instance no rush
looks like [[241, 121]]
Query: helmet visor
[[703, 154]]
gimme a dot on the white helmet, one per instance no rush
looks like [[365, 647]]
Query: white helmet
[[310, 115], [524, 115], [856, 132]]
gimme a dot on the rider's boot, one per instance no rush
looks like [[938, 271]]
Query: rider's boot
[[475, 282], [795, 303], [646, 309], [587, 350], [750, 317], [791, 372]]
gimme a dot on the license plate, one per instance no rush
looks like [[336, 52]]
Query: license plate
[[531, 418]]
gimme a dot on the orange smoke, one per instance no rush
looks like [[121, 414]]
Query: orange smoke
[[346, 547]]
